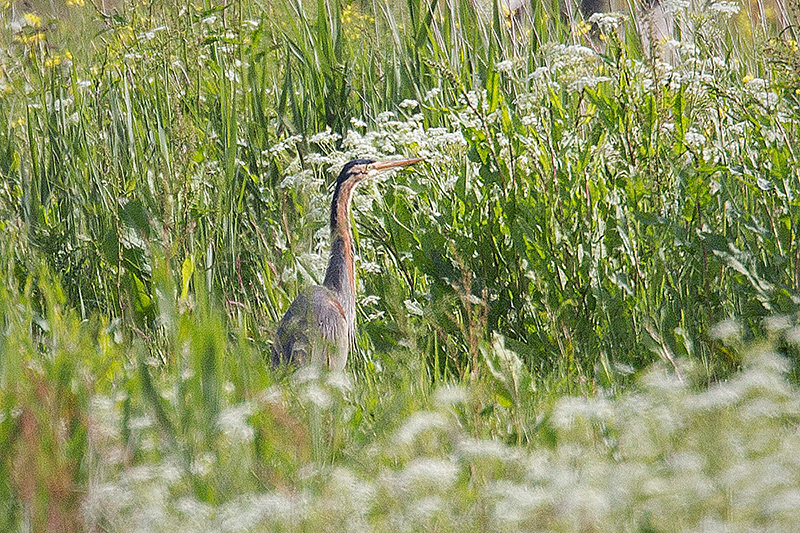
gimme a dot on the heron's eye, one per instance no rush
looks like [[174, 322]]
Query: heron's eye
[[369, 167]]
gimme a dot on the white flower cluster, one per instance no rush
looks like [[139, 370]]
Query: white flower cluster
[[723, 458], [234, 423], [725, 7], [759, 89], [573, 67], [608, 22], [673, 6]]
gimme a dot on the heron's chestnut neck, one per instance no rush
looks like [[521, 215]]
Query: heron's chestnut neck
[[340, 274]]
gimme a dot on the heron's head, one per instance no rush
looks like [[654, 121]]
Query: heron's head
[[359, 169]]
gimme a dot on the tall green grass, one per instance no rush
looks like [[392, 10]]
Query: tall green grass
[[591, 204], [100, 435], [594, 201]]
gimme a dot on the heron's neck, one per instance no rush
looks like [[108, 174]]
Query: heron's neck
[[340, 275]]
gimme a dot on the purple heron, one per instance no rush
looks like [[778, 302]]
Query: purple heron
[[320, 325]]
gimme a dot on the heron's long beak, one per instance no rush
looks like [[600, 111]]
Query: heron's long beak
[[385, 165]]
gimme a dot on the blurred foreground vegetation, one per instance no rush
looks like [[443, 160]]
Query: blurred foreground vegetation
[[579, 314]]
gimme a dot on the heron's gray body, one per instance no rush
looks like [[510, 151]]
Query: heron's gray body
[[319, 327], [313, 331]]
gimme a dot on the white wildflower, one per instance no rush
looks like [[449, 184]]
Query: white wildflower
[[540, 73], [317, 396], [756, 84], [105, 420], [202, 464], [326, 136], [504, 66], [413, 307], [348, 487], [519, 503], [418, 423], [727, 8], [671, 6], [787, 501], [105, 498], [150, 35], [587, 81], [767, 99], [317, 160], [793, 336], [451, 395], [586, 505], [572, 52], [306, 374], [339, 381], [726, 330], [426, 507], [484, 449], [607, 22], [234, 423], [429, 474], [372, 299], [409, 104], [694, 139], [140, 422], [192, 510], [296, 180], [737, 129], [376, 316], [571, 409], [272, 395], [717, 397], [371, 267], [777, 324], [432, 94], [248, 511], [474, 98]]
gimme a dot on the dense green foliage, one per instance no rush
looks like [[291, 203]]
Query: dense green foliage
[[591, 203]]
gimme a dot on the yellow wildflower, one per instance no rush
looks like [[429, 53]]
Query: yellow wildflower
[[73, 3], [32, 19], [31, 39], [53, 60]]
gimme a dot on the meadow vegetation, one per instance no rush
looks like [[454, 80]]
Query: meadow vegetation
[[579, 313]]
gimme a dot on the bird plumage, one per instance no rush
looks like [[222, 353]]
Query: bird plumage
[[319, 326]]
